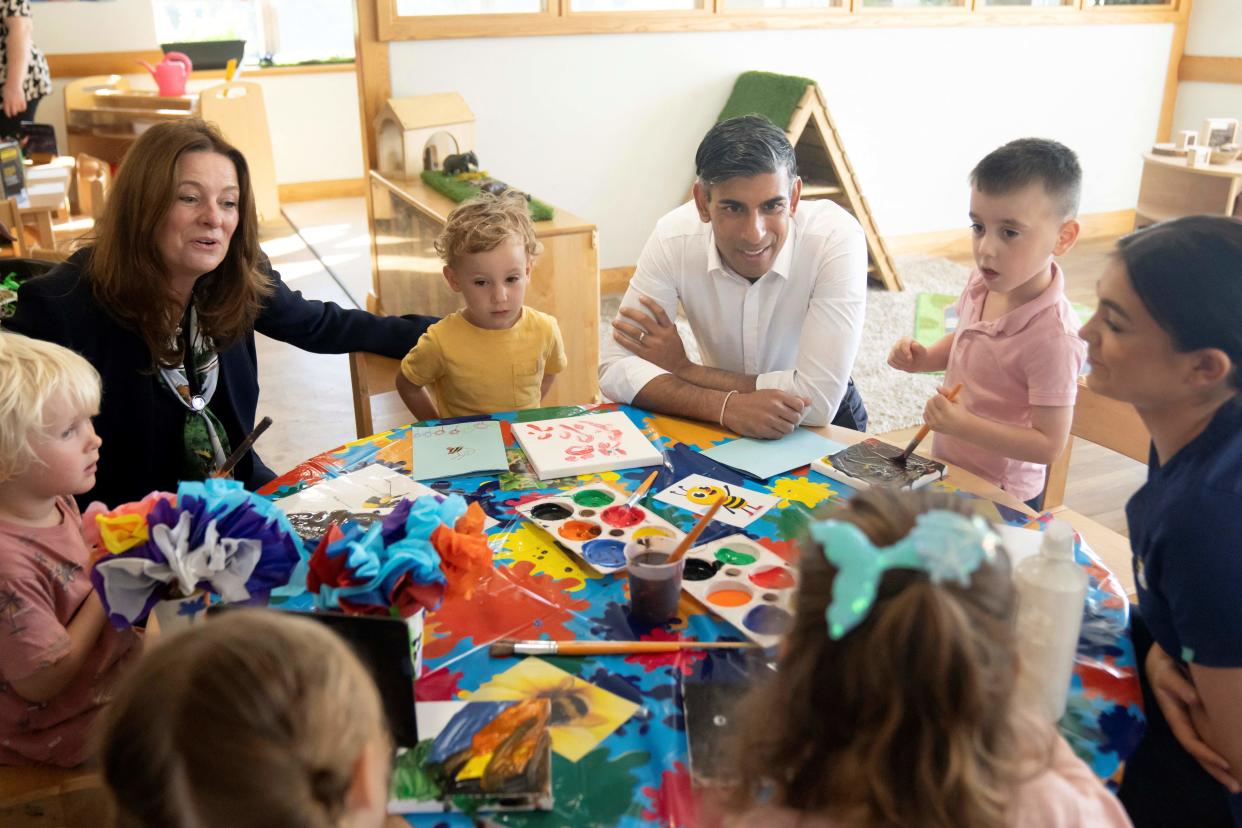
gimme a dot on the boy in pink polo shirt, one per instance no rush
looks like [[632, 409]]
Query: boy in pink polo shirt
[[1016, 349]]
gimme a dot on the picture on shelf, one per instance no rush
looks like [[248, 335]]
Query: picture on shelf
[[1217, 132]]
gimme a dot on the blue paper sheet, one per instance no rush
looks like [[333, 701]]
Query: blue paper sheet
[[764, 458], [457, 448]]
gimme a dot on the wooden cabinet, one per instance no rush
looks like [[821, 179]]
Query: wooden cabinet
[[406, 274], [1170, 189]]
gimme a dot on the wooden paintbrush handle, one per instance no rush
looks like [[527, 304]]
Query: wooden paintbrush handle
[[609, 647], [689, 539]]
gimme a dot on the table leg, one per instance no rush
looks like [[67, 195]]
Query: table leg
[[47, 236]]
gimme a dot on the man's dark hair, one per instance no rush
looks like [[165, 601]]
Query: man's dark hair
[[1026, 161], [744, 146]]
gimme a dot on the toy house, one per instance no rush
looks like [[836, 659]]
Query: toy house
[[417, 133]]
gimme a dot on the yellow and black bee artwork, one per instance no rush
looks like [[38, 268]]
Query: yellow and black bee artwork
[[707, 494]]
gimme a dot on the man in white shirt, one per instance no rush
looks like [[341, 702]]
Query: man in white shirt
[[774, 291]]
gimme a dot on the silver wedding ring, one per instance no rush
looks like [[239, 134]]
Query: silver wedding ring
[[641, 336]]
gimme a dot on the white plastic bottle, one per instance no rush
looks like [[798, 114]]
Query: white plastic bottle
[[1052, 592]]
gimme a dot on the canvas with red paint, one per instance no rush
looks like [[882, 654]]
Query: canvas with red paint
[[585, 445]]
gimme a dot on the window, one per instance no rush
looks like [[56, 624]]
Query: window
[[279, 31], [416, 8], [435, 19]]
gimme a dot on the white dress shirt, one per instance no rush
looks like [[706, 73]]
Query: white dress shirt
[[796, 328]]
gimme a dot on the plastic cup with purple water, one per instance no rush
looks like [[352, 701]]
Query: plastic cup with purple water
[[655, 586]]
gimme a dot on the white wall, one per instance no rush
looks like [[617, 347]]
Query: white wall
[[313, 118], [1215, 31], [116, 26], [606, 125]]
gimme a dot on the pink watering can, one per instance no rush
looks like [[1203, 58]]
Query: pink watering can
[[171, 73]]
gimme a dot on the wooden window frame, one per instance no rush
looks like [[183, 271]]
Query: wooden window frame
[[558, 18]]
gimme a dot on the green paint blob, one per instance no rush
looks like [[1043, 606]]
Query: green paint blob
[[732, 556], [593, 498]]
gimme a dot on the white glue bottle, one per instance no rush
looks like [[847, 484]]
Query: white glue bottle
[[1052, 592]]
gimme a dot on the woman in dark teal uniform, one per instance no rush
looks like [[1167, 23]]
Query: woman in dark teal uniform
[[1167, 337]]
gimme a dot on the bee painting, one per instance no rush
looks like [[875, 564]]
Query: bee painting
[[738, 506], [706, 495]]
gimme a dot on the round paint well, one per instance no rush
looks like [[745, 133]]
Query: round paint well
[[586, 513], [551, 511], [697, 570], [608, 553], [766, 619], [733, 571], [616, 533], [729, 594], [738, 554], [623, 516], [774, 577], [594, 498], [652, 532], [578, 530]]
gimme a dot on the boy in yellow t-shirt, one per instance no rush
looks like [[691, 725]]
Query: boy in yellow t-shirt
[[496, 354]]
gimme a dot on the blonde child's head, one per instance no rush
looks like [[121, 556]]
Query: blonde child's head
[[45, 391], [488, 246], [1023, 202], [900, 714], [256, 718]]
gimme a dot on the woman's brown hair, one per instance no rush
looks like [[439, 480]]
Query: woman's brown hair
[[256, 718], [905, 721], [126, 273]]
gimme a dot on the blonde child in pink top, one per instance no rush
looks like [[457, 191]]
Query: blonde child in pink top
[[1016, 350], [59, 658], [893, 702]]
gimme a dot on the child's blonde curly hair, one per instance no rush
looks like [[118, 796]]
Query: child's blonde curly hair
[[485, 221], [32, 372]]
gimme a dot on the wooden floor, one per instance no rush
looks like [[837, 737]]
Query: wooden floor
[[308, 395]]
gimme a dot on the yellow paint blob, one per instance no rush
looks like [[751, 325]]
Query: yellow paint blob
[[728, 597], [652, 532], [801, 490], [527, 543]]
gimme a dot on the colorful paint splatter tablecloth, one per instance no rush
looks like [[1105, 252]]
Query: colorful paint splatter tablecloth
[[638, 774]]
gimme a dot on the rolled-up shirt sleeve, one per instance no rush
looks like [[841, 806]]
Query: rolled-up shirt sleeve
[[621, 374], [832, 332]]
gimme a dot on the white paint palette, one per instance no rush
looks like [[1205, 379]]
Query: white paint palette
[[593, 523], [745, 584]]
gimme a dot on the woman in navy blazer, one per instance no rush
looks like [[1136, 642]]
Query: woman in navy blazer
[[176, 269]]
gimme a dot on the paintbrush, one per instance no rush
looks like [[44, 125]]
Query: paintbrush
[[642, 490], [507, 647], [918, 438], [236, 456], [689, 539]]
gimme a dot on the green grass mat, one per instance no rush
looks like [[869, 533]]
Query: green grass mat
[[764, 93], [459, 191], [930, 309]]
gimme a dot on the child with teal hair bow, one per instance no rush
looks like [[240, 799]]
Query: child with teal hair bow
[[893, 703]]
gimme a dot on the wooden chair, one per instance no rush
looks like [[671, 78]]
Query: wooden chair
[[52, 798], [11, 216], [1116, 426], [1105, 422], [370, 375], [238, 109], [94, 179]]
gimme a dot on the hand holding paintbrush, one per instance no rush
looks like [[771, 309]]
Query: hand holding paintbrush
[[923, 432]]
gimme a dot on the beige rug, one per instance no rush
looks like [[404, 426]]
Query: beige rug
[[894, 399]]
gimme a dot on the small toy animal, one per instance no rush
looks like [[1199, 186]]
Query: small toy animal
[[463, 163], [495, 187]]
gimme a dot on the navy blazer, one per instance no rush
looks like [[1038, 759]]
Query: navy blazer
[[139, 420]]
